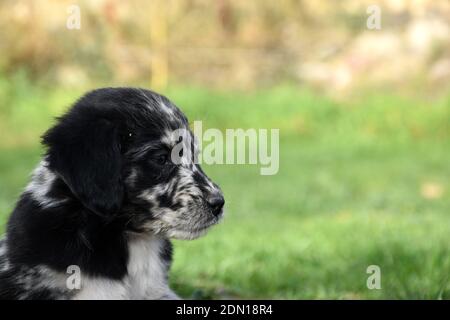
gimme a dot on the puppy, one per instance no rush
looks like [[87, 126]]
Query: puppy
[[118, 181]]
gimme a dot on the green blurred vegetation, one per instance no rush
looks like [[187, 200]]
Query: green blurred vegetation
[[362, 181]]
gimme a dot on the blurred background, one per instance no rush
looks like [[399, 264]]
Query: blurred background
[[364, 119]]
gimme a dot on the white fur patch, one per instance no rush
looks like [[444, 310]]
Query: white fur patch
[[146, 270], [43, 277], [41, 182], [146, 278], [166, 109], [101, 289], [4, 263]]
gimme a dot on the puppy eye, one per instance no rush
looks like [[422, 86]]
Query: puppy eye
[[162, 159]]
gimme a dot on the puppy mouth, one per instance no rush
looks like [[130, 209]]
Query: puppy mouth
[[195, 232], [183, 234], [202, 228]]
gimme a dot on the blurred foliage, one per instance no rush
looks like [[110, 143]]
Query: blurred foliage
[[232, 44]]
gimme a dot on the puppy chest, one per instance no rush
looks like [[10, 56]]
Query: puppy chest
[[147, 271]]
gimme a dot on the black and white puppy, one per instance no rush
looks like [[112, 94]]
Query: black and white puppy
[[106, 198]]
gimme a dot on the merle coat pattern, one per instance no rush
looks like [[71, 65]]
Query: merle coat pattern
[[107, 197]]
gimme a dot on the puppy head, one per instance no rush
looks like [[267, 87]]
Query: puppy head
[[129, 152]]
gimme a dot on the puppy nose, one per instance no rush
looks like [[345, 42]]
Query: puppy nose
[[216, 203]]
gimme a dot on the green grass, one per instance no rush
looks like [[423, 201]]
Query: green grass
[[312, 230], [348, 193]]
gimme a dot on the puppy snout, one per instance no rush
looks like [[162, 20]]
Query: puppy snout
[[216, 202]]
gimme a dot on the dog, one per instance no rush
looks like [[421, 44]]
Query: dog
[[106, 199]]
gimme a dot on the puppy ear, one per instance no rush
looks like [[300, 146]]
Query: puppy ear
[[86, 154]]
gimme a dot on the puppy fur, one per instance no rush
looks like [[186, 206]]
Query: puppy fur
[[107, 197]]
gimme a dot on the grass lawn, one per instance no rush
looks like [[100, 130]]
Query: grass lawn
[[362, 182]]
